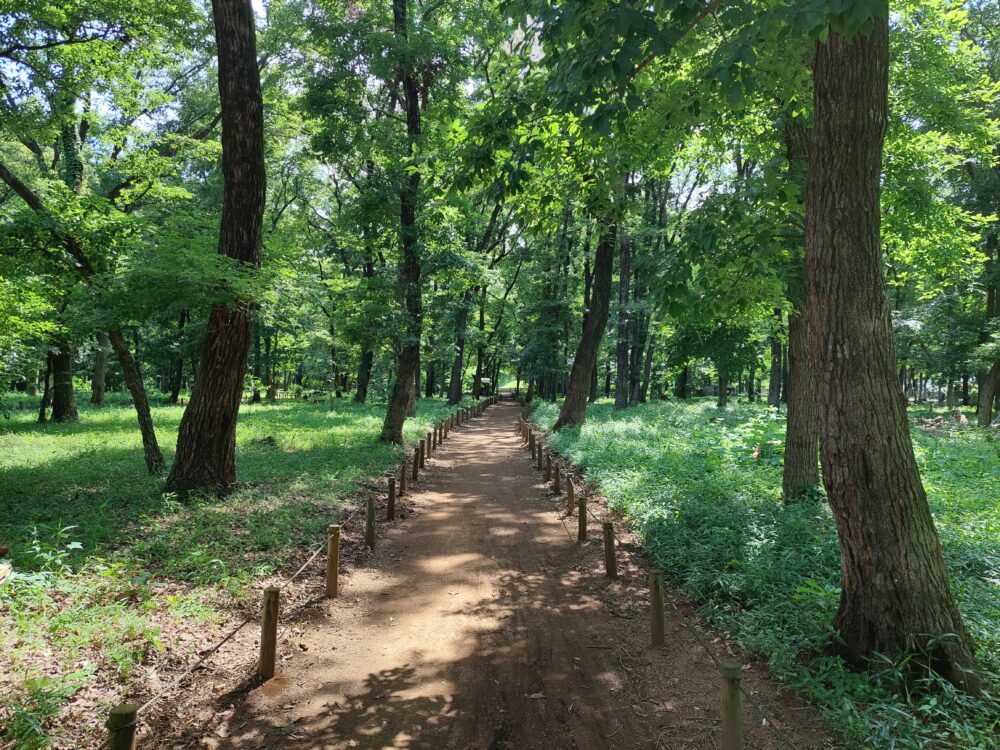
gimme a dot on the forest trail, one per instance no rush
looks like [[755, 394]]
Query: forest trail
[[480, 622]]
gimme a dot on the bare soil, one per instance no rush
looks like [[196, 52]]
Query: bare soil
[[481, 622]]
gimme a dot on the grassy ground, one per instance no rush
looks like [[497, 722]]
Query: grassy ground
[[106, 566], [768, 574]]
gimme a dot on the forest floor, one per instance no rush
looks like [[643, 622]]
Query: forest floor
[[481, 622]]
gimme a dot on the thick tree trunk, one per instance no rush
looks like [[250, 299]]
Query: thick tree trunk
[[409, 271], [801, 470], [137, 389], [63, 395], [206, 442], [621, 360], [988, 378], [461, 323], [574, 407], [895, 596], [723, 399], [989, 388], [98, 383], [364, 376]]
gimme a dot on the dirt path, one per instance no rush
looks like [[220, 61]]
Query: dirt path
[[480, 622]]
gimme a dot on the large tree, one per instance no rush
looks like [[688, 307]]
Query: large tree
[[206, 443], [895, 594]]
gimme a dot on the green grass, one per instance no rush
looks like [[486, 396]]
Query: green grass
[[105, 565], [768, 574]]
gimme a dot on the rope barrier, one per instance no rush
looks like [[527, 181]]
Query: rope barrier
[[778, 732]]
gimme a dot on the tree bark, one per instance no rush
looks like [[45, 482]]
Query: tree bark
[[895, 596], [257, 364], [723, 400], [801, 469], [364, 376], [63, 395], [647, 369], [461, 323], [137, 389], [206, 442], [574, 407], [477, 380], [409, 270], [988, 378], [98, 382], [46, 400], [622, 362], [774, 381], [178, 378]]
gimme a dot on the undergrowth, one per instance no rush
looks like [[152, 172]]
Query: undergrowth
[[703, 488], [108, 571]]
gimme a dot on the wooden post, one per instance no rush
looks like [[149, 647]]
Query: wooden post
[[581, 522], [427, 442], [570, 495], [423, 454], [556, 479], [538, 444], [370, 524], [332, 560], [732, 706], [531, 442], [610, 563], [390, 510], [121, 726], [656, 607], [402, 476], [548, 466], [416, 464], [433, 434], [268, 634]]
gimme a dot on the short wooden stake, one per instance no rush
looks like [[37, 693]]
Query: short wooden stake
[[390, 508], [423, 454], [556, 486], [332, 560], [268, 634], [402, 476], [570, 495], [656, 607], [427, 442], [416, 464], [610, 563], [581, 522], [370, 524], [538, 444], [121, 726], [732, 706], [548, 466], [531, 442], [434, 437]]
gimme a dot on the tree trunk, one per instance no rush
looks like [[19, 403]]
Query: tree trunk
[[455, 386], [137, 389], [647, 369], [684, 383], [206, 442], [46, 399], [774, 381], [801, 470], [574, 407], [752, 381], [178, 379], [98, 383], [63, 396], [409, 271], [965, 389], [723, 399], [989, 387], [621, 361], [257, 364], [895, 596], [364, 376], [988, 378], [477, 381]]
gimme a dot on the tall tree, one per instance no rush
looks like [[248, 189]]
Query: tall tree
[[206, 442], [895, 594]]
